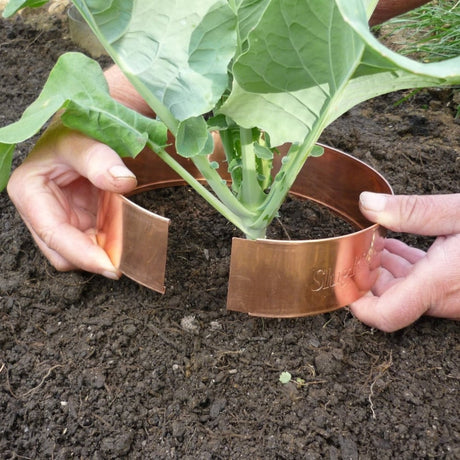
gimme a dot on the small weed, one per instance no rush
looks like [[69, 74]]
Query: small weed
[[285, 377]]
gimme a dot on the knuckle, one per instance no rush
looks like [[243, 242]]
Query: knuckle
[[411, 208], [48, 237], [60, 265], [14, 185], [51, 250], [415, 210]]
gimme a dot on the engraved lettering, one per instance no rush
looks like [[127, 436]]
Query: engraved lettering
[[327, 278], [318, 280]]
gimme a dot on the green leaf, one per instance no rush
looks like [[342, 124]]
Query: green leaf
[[91, 109], [249, 13], [308, 62], [14, 6], [234, 165], [193, 138], [124, 131], [6, 157], [217, 123], [63, 84], [262, 152], [176, 54], [281, 57], [316, 151], [382, 70], [291, 68], [285, 377]]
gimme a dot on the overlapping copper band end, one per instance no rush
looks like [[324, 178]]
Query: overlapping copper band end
[[270, 278]]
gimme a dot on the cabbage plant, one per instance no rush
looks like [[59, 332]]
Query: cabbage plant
[[260, 72]]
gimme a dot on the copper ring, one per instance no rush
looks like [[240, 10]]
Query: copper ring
[[271, 278]]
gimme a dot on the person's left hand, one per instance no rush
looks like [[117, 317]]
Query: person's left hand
[[56, 193]]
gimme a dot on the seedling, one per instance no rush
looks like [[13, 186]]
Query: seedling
[[260, 72], [285, 377]]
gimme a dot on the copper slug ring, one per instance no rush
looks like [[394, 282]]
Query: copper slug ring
[[271, 278]]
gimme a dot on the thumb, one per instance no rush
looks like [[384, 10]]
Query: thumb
[[103, 167], [421, 214], [90, 158]]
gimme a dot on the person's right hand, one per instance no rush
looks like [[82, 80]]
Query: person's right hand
[[413, 283], [56, 192]]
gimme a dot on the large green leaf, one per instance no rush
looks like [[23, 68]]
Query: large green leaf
[[382, 70], [298, 44], [64, 83], [309, 61], [176, 53], [90, 109], [249, 13], [299, 54]]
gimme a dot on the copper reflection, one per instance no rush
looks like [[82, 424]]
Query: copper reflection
[[135, 240], [270, 278]]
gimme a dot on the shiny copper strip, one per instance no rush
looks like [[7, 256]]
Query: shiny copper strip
[[136, 240], [267, 277]]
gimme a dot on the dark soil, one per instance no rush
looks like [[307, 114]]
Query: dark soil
[[92, 369]]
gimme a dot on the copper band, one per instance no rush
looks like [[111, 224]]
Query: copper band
[[271, 278]]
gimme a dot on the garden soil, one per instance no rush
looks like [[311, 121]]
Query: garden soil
[[98, 369]]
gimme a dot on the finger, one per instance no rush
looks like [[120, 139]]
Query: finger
[[399, 306], [409, 253], [68, 152], [384, 280], [425, 215], [67, 248], [103, 168], [398, 266], [56, 260]]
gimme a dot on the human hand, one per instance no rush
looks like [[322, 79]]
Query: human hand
[[56, 192], [413, 283]]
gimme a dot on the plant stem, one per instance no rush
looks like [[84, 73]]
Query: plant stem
[[220, 188], [251, 195], [286, 177], [161, 111], [241, 222]]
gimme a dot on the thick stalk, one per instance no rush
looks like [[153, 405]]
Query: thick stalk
[[251, 195], [286, 177]]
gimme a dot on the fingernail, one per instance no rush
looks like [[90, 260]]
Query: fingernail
[[374, 202], [121, 172], [110, 275]]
